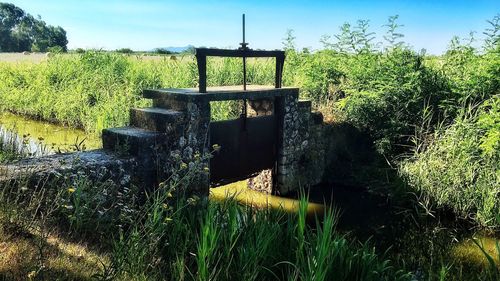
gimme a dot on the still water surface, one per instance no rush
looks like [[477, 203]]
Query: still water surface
[[41, 138]]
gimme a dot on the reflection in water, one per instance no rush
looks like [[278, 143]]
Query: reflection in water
[[240, 192], [469, 251], [40, 138]]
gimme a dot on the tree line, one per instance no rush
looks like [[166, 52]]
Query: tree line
[[20, 31]]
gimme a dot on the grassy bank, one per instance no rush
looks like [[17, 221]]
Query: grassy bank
[[95, 90], [78, 229], [459, 167], [63, 222]]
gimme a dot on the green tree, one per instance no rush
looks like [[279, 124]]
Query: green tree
[[289, 41], [22, 35], [346, 40], [10, 17], [20, 31], [58, 37], [364, 38]]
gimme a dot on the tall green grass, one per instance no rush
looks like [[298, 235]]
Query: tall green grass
[[493, 272], [225, 241], [95, 90], [459, 166], [187, 238], [6, 153], [12, 147]]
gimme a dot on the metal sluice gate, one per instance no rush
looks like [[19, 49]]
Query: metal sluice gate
[[248, 144]]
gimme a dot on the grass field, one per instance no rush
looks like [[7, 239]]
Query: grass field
[[41, 57], [20, 57]]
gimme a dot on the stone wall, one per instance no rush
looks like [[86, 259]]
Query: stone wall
[[188, 158], [172, 141], [263, 181], [260, 107], [302, 146], [301, 159], [98, 165], [312, 153], [289, 144], [298, 134]]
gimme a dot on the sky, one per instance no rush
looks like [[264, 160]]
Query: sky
[[145, 25]]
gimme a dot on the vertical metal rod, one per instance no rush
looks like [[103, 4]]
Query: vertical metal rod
[[244, 74], [244, 46], [244, 58], [243, 28]]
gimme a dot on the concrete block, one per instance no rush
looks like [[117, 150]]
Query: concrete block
[[131, 140], [155, 119]]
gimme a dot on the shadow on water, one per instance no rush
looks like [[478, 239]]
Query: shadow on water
[[359, 210], [404, 233]]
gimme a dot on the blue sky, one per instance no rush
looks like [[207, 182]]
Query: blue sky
[[144, 25]]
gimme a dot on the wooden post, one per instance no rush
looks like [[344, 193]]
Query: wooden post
[[202, 72], [280, 62]]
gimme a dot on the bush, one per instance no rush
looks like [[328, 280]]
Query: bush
[[459, 168], [125, 51], [162, 51], [387, 94]]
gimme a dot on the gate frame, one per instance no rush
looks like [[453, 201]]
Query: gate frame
[[202, 54]]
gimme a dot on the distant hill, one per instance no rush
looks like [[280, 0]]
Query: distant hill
[[176, 49]]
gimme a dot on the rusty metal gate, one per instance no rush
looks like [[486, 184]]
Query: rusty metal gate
[[247, 146]]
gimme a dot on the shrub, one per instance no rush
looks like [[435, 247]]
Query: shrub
[[387, 94], [124, 51], [163, 51], [459, 168]]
